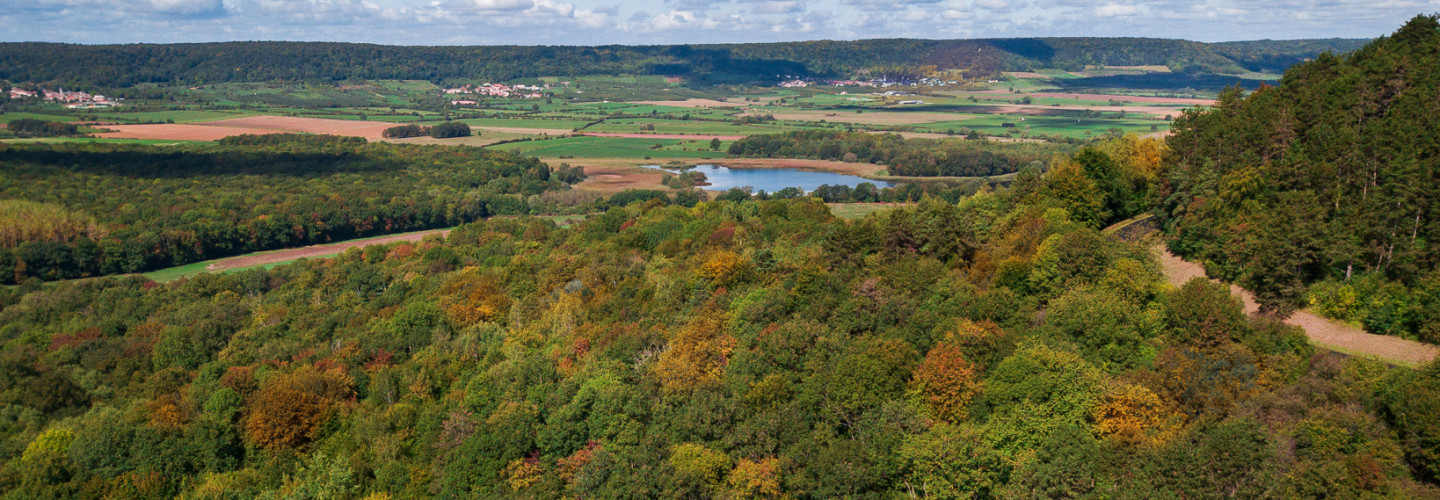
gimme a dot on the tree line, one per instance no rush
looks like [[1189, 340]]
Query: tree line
[[144, 208], [444, 130], [902, 157]]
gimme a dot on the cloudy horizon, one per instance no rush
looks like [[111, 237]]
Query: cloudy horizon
[[605, 22]]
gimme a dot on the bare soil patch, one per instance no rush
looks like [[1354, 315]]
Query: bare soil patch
[[356, 128], [216, 130], [179, 132], [612, 175], [315, 251], [1323, 331]]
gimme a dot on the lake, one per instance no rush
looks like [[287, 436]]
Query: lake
[[771, 179]]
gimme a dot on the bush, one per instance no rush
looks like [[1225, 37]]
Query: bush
[[450, 129], [403, 131]]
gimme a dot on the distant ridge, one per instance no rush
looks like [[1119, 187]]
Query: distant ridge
[[205, 63]]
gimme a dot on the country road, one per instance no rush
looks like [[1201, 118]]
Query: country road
[[1324, 332]]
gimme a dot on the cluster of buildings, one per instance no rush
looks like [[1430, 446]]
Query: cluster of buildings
[[75, 99], [923, 82], [496, 90]]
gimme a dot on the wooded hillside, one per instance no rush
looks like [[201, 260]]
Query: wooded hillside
[[1332, 178], [207, 63]]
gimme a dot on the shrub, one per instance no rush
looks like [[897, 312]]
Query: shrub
[[1204, 313]]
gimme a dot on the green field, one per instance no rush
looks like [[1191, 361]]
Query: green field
[[661, 126], [555, 124], [10, 117], [856, 210]]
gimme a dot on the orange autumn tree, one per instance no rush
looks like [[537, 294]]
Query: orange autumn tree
[[946, 382], [287, 411]]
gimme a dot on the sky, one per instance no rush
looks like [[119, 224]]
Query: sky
[[601, 22]]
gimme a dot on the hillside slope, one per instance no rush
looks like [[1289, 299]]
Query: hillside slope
[[205, 63], [1330, 178]]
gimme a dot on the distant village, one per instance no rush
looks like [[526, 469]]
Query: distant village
[[495, 90], [923, 82], [74, 98]]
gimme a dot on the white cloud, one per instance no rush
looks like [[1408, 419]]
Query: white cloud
[[502, 4], [1117, 10], [669, 21]]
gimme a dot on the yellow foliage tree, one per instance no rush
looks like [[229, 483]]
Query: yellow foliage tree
[[697, 355], [723, 267], [521, 473], [755, 479], [1076, 192], [24, 221], [699, 464], [1139, 158], [1134, 415], [470, 297]]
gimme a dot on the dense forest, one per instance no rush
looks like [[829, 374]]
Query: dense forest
[[86, 210], [208, 63], [905, 157], [735, 349], [1324, 191]]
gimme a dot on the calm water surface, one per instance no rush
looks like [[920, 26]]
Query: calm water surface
[[772, 179]]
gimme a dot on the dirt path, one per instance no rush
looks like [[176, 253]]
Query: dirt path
[[315, 250], [1324, 332]]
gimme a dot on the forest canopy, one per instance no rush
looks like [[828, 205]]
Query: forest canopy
[[104, 209], [734, 348]]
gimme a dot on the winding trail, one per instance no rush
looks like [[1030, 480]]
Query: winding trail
[[1324, 332], [321, 250]]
